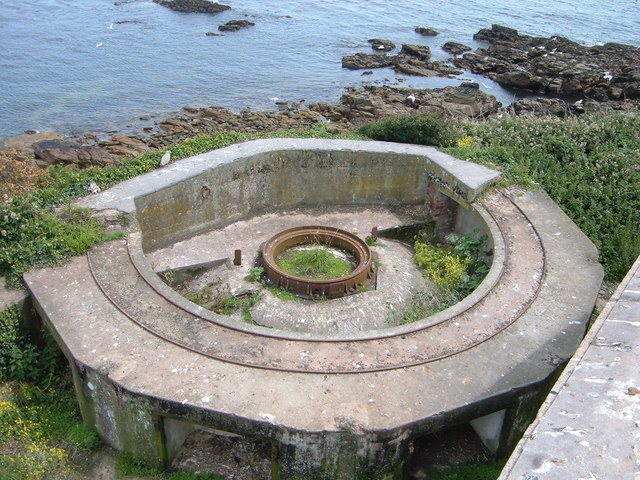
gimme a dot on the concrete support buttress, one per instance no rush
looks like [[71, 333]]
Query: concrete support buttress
[[520, 414], [344, 455], [123, 421]]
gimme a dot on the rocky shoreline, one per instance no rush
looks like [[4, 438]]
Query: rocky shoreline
[[601, 78], [556, 65]]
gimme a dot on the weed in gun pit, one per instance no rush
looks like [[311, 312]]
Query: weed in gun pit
[[283, 294], [316, 263], [459, 266], [255, 274], [219, 299]]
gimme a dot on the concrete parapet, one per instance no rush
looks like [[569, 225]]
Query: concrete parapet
[[588, 425]]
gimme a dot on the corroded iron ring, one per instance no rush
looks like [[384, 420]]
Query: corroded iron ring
[[362, 276]]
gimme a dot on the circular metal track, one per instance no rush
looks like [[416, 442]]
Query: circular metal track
[[122, 273]]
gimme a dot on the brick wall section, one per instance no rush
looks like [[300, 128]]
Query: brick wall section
[[442, 209]]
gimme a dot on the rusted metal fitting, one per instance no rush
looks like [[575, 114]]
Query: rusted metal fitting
[[362, 276]]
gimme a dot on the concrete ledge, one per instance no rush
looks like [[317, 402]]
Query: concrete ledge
[[587, 427], [218, 187]]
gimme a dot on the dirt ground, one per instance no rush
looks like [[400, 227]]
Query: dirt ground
[[235, 458]]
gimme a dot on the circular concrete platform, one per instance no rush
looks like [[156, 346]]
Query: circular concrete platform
[[149, 364], [129, 283]]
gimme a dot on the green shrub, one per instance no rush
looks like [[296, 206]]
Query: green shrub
[[128, 464], [423, 129], [588, 165], [20, 359], [447, 269], [35, 236], [473, 247]]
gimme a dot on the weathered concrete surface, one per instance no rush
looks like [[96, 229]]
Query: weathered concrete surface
[[380, 306], [192, 196], [589, 426], [310, 416], [336, 407], [10, 296]]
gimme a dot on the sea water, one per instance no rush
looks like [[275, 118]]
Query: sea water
[[100, 65]]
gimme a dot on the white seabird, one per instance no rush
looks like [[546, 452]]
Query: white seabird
[[166, 158]]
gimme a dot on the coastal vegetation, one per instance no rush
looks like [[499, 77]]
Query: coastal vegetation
[[588, 164]]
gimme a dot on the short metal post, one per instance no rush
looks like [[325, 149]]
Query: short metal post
[[237, 260]]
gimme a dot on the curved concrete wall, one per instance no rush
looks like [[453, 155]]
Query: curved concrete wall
[[277, 180]]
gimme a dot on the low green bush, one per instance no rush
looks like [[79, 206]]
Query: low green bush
[[35, 236], [588, 164], [20, 358], [459, 267], [423, 129], [447, 269]]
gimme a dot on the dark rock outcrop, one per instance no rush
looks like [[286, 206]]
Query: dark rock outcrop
[[235, 25], [364, 61], [427, 32], [422, 52], [381, 45], [359, 106], [412, 60], [556, 65], [125, 146], [426, 69], [193, 6], [52, 152], [455, 48], [540, 107]]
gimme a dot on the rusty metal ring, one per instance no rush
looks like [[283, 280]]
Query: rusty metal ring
[[205, 192], [362, 276]]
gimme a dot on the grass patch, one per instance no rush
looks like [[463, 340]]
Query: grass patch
[[315, 263], [128, 464], [480, 471], [194, 476], [283, 294]]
